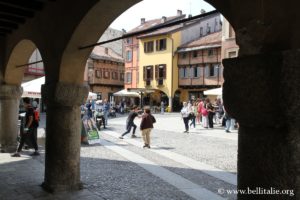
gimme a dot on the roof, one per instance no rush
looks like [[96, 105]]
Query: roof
[[99, 53], [175, 28], [209, 41], [155, 22]]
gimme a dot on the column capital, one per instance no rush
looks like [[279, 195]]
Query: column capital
[[65, 94], [251, 89], [10, 91]]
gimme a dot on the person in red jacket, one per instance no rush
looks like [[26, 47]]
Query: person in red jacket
[[146, 126]]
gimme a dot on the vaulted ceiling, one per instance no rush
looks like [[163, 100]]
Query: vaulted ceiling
[[15, 12]]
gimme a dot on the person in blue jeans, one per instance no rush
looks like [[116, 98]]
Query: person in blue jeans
[[130, 122], [106, 108]]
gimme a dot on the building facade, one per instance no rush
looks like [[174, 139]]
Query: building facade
[[158, 63], [229, 47], [105, 72], [199, 65], [132, 48]]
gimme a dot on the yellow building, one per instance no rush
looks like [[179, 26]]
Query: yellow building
[[158, 71]]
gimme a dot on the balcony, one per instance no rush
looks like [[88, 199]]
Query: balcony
[[36, 71], [160, 81], [148, 82]]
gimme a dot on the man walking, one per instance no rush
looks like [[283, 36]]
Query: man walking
[[130, 122], [29, 129], [106, 109]]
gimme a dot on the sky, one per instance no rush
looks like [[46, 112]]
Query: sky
[[153, 9]]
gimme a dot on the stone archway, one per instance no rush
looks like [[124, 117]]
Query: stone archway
[[10, 93], [268, 65]]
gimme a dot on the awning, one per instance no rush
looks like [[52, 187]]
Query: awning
[[216, 91], [32, 89], [141, 90], [126, 93]]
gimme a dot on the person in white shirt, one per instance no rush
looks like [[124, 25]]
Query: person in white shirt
[[185, 116]]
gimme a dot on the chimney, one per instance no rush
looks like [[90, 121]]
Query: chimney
[[106, 50], [190, 15], [179, 12], [202, 11], [163, 19], [143, 20]]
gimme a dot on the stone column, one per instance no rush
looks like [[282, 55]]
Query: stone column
[[171, 104], [268, 144], [63, 128], [9, 110]]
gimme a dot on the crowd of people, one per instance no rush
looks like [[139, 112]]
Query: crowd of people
[[206, 113]]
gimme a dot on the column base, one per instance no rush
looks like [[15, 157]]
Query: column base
[[8, 148], [61, 188]]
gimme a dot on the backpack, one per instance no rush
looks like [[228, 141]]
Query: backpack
[[36, 118]]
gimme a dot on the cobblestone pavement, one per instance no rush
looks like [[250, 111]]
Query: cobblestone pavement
[[197, 165]]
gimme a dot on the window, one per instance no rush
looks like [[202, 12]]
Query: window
[[183, 55], [210, 52], [122, 76], [201, 31], [99, 73], [148, 74], [195, 54], [114, 75], [216, 24], [148, 47], [160, 73], [232, 54], [128, 56], [129, 40], [106, 74], [196, 72], [211, 70], [128, 77], [208, 29], [161, 45]]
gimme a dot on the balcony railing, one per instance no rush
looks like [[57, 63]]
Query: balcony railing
[[37, 71], [148, 82], [160, 81]]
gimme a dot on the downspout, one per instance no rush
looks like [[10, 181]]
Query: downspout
[[203, 67], [218, 67], [171, 109]]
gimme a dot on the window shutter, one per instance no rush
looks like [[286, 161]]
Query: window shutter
[[198, 71], [145, 47], [144, 73], [151, 72], [180, 72], [207, 71], [216, 70], [157, 45], [165, 71], [156, 72], [191, 72]]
